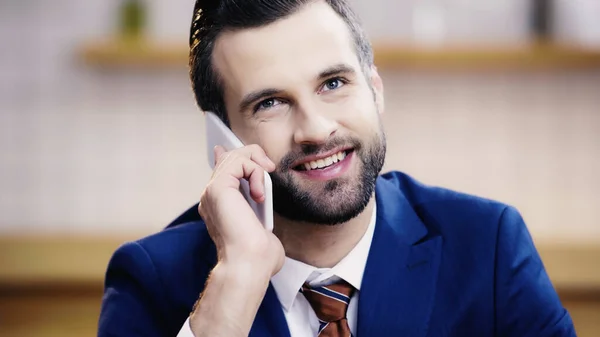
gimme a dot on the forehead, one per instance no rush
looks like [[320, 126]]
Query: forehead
[[292, 49]]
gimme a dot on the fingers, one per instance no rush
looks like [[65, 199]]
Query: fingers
[[249, 163], [256, 153], [253, 152], [256, 180]]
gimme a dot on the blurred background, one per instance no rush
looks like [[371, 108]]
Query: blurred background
[[101, 141]]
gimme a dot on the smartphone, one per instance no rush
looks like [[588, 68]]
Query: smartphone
[[217, 133]]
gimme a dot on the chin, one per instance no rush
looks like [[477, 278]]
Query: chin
[[334, 202]]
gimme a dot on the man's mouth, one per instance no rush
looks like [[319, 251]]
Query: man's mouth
[[323, 163]]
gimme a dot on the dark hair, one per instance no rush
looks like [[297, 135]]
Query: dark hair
[[212, 17]]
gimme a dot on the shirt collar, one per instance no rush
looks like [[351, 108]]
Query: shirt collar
[[351, 268]]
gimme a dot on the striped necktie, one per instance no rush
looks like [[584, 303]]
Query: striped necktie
[[330, 303]]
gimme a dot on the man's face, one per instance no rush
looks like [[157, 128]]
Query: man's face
[[297, 89]]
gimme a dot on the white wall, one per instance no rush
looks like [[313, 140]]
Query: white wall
[[462, 21], [576, 22], [89, 151], [531, 140]]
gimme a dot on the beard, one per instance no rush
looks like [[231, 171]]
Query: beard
[[335, 201]]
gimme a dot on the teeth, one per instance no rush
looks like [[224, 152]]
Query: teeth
[[321, 163]]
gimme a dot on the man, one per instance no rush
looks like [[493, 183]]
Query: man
[[352, 252]]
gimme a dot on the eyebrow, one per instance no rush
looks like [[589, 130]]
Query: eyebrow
[[264, 93], [336, 70]]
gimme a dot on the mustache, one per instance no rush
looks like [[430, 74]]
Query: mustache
[[314, 149]]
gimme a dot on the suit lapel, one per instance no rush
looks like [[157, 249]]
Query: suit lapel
[[270, 320], [397, 291]]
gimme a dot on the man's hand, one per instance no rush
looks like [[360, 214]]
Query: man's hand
[[231, 222], [248, 254]]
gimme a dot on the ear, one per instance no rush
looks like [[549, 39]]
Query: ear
[[377, 85]]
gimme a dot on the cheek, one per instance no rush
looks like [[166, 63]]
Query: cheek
[[275, 139], [360, 115]]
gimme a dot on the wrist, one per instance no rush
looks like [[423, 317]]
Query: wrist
[[249, 272], [254, 264], [232, 296]]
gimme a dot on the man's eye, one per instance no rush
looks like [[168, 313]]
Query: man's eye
[[333, 84], [267, 104]]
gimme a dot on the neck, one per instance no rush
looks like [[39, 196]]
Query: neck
[[322, 246]]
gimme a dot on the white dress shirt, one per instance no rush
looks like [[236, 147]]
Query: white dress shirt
[[301, 318]]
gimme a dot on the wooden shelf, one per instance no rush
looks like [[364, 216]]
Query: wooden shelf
[[156, 54], [143, 54], [538, 56]]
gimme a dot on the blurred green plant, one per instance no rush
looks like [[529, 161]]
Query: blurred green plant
[[132, 19]]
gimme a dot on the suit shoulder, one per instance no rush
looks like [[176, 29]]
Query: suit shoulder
[[159, 275], [449, 212], [175, 245], [419, 195], [186, 234], [181, 250], [180, 257]]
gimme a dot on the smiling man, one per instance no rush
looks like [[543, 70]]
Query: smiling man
[[353, 252]]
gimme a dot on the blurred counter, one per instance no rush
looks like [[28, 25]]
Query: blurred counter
[[36, 262], [52, 286]]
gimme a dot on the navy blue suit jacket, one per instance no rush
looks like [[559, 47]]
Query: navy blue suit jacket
[[441, 263]]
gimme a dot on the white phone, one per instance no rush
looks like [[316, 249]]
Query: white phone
[[217, 133]]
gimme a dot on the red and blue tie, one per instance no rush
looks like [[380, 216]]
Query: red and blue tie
[[330, 303]]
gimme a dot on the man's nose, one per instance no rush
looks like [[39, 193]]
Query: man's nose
[[313, 127]]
